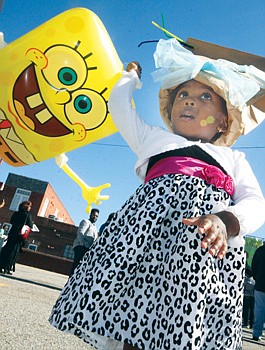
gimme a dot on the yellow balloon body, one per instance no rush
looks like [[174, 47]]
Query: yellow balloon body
[[54, 86]]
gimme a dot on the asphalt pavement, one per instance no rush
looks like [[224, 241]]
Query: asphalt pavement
[[27, 298]]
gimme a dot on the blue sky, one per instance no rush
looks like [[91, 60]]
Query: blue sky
[[231, 23]]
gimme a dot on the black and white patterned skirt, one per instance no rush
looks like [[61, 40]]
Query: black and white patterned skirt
[[147, 281]]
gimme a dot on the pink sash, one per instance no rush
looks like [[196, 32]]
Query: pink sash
[[192, 167]]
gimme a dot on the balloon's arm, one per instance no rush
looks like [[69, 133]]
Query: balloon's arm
[[90, 194]]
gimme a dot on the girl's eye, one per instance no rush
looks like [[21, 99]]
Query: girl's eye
[[206, 96], [183, 94]]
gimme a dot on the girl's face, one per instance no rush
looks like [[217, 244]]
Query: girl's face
[[198, 113]]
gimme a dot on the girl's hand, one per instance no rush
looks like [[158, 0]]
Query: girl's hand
[[215, 233], [134, 65]]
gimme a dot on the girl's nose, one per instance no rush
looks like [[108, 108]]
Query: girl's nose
[[189, 102]]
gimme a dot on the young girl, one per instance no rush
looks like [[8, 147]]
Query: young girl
[[167, 271]]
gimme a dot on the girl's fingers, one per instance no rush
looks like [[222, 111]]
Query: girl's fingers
[[189, 221], [216, 245], [203, 223], [215, 234], [209, 239], [222, 251]]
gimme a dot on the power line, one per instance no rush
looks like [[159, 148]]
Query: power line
[[250, 147], [109, 144], [126, 146]]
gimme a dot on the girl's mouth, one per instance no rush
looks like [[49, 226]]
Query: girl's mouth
[[187, 116]]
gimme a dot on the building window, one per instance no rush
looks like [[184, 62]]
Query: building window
[[68, 252], [32, 247], [20, 196], [44, 207]]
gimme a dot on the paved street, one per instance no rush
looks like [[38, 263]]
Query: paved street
[[26, 301]]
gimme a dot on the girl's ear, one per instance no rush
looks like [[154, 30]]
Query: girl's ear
[[223, 125]]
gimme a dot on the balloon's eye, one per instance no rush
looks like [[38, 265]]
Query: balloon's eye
[[67, 76], [83, 104]]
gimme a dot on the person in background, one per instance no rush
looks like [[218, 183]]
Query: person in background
[[111, 215], [12, 248], [258, 269], [3, 236], [247, 256], [248, 300], [87, 233]]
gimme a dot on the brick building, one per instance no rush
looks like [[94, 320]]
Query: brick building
[[51, 246]]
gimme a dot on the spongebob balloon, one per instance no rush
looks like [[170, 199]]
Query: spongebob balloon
[[54, 86]]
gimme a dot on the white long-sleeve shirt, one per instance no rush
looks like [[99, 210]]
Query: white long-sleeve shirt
[[147, 141], [85, 230]]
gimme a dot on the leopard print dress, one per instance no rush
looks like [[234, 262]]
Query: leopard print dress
[[147, 281]]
